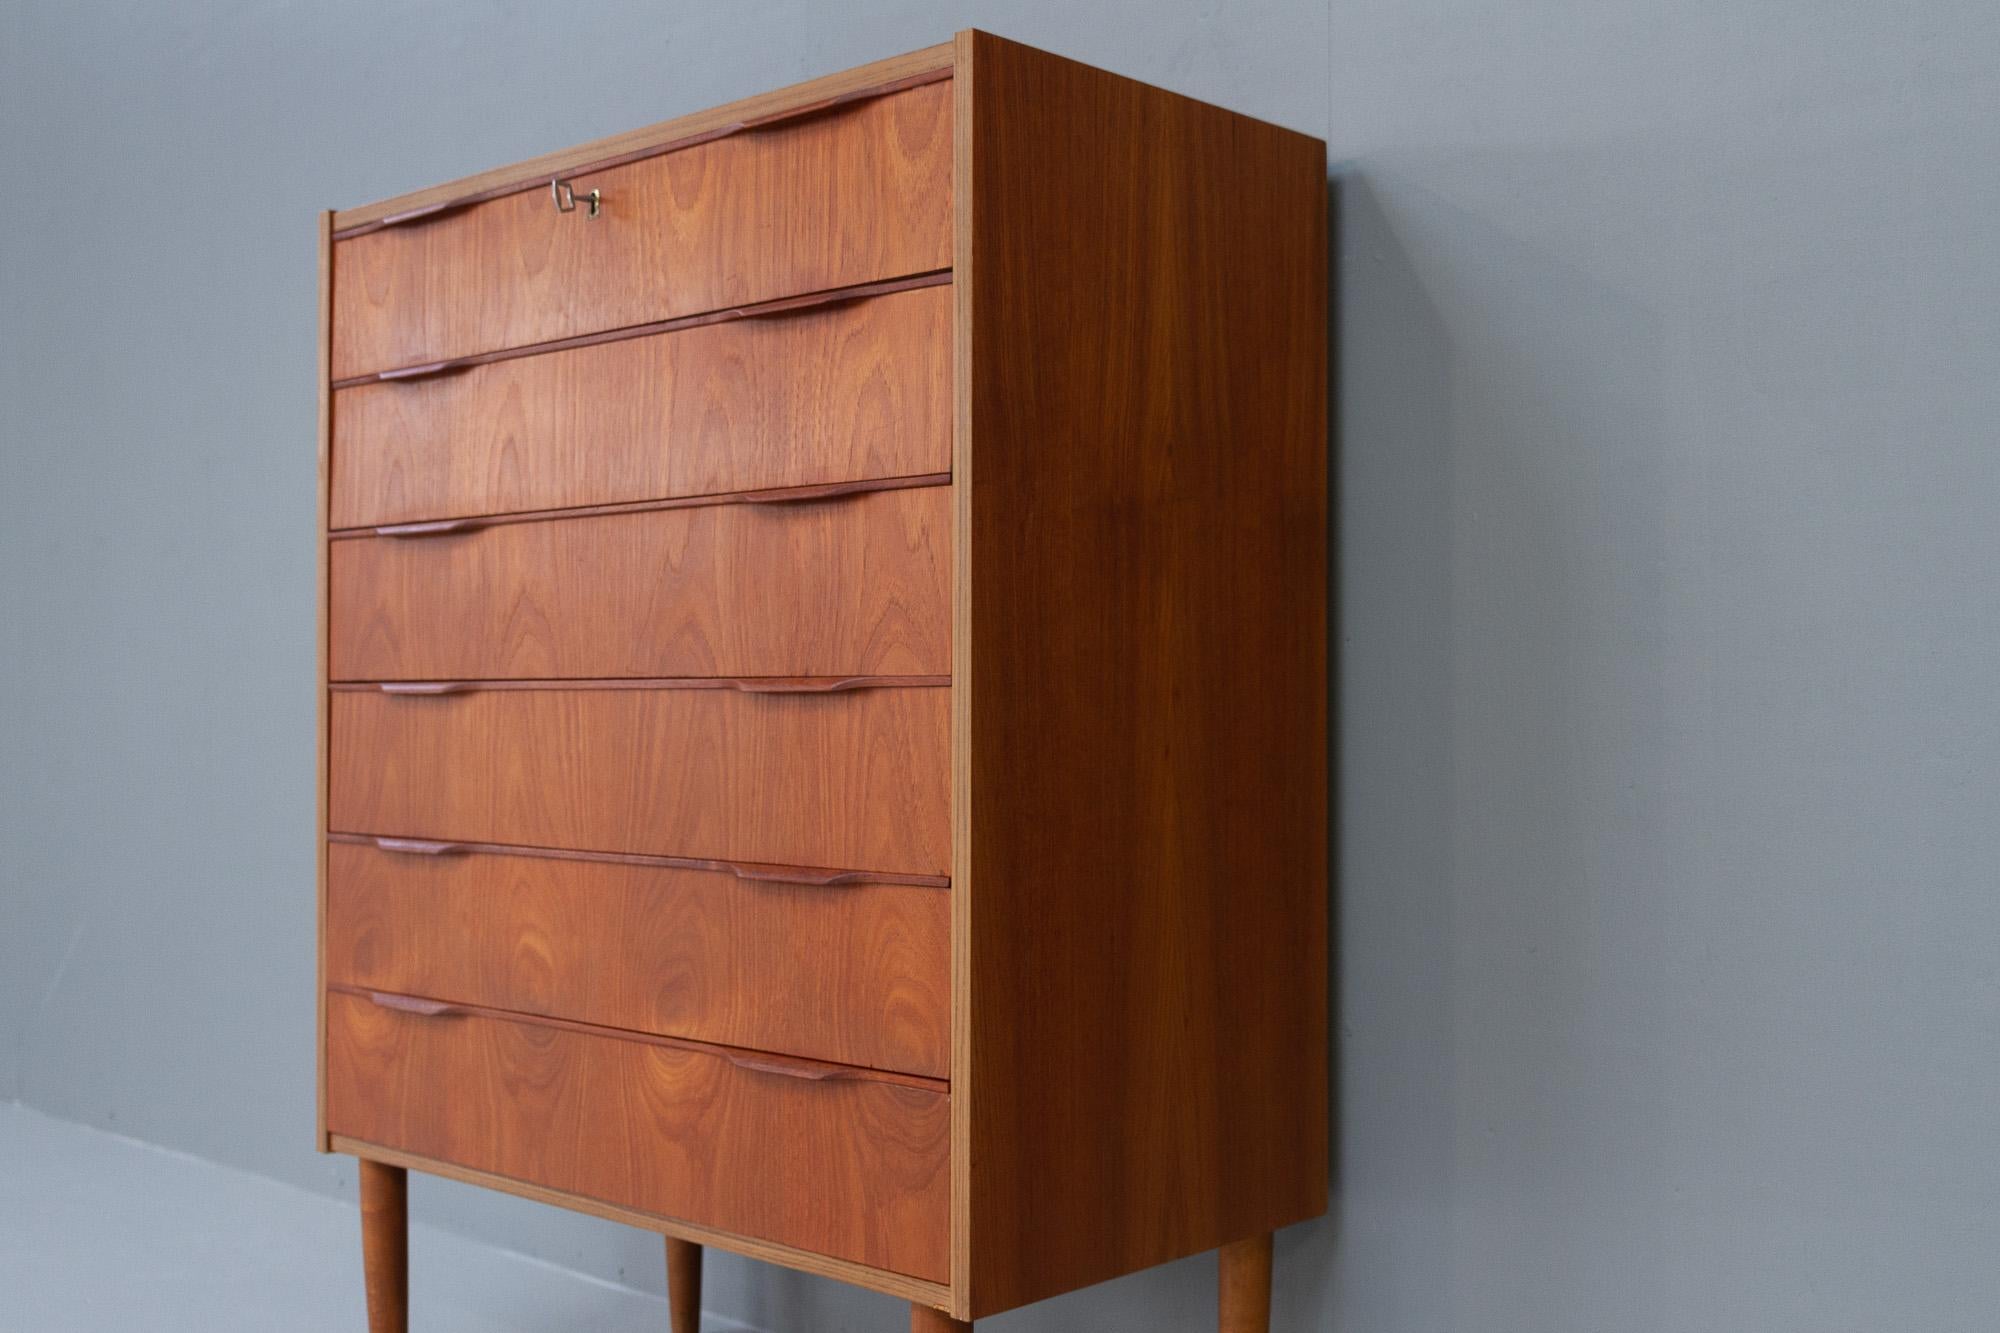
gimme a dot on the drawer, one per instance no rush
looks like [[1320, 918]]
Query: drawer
[[857, 780], [829, 393], [853, 1167], [854, 973], [857, 585], [850, 196]]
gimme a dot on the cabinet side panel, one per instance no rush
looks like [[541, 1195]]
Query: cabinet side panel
[[1146, 876]]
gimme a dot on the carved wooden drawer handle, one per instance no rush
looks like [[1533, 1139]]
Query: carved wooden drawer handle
[[802, 684], [420, 846], [818, 879], [799, 495], [788, 1066], [433, 528], [426, 371], [414, 1004], [425, 212]]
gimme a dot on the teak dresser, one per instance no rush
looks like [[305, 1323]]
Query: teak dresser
[[823, 740]]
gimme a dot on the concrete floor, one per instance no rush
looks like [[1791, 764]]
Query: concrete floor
[[100, 1234]]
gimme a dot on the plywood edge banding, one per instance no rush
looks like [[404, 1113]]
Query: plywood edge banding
[[965, 202], [805, 99], [900, 1285]]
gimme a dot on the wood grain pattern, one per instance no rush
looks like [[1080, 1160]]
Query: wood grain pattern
[[566, 200], [782, 495], [1145, 872], [1243, 1285], [534, 172], [854, 1169], [847, 197], [853, 974], [825, 394], [765, 1062], [1124, 780], [923, 1319], [899, 1285], [856, 780], [809, 685], [855, 585], [684, 1284], [769, 309], [752, 871], [385, 1246]]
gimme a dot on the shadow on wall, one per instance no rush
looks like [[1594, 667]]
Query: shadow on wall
[[1496, 448], [1389, 579]]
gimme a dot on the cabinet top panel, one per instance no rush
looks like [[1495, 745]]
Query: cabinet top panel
[[877, 77]]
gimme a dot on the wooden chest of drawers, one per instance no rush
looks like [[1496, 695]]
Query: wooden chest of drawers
[[823, 728]]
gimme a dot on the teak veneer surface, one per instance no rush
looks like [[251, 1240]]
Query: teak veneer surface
[[856, 585], [871, 79], [1143, 876], [900, 1285], [853, 195], [853, 973], [830, 393], [1121, 774], [852, 1168], [857, 780]]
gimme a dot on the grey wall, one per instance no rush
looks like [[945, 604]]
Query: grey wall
[[1669, 969]]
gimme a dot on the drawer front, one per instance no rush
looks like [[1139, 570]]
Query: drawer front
[[857, 780], [827, 394], [858, 585], [853, 1168], [854, 195], [857, 974]]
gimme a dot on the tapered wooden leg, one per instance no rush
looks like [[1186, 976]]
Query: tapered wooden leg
[[923, 1319], [684, 1284], [1246, 1285], [385, 1246]]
